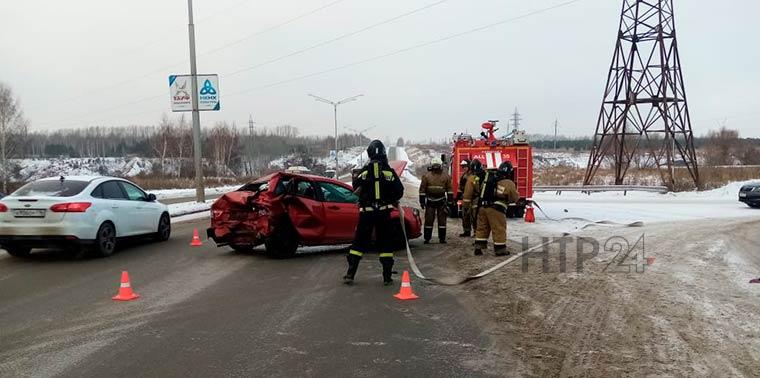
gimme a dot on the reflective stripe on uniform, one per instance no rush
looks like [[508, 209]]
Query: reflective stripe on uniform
[[355, 252], [388, 175], [377, 181], [386, 254], [481, 240], [428, 226], [363, 175], [499, 244], [483, 189]]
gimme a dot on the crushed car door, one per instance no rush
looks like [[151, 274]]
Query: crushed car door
[[305, 211], [341, 212]]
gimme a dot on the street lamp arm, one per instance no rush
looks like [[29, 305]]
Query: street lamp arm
[[320, 99], [345, 100]]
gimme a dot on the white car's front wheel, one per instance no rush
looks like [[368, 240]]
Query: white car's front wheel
[[164, 228], [105, 242]]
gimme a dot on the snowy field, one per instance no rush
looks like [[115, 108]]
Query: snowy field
[[646, 207]]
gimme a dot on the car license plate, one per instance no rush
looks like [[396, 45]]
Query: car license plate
[[742, 194], [29, 213]]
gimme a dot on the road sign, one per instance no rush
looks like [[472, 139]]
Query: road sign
[[180, 89]]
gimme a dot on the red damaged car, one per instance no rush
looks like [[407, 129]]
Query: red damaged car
[[286, 210]]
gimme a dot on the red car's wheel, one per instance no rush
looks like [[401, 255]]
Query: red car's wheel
[[283, 243]]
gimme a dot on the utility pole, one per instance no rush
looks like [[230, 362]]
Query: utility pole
[[555, 133], [335, 109], [250, 144], [200, 195]]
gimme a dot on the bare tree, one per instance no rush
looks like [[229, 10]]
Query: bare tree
[[224, 146], [722, 147], [162, 140], [13, 129]]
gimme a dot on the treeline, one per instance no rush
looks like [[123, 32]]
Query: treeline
[[227, 148]]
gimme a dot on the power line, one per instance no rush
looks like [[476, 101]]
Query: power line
[[406, 49], [267, 30], [179, 62], [338, 38], [377, 57]]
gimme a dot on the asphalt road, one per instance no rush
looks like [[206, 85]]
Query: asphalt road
[[207, 311]]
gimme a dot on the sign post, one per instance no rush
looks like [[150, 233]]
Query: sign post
[[194, 93]]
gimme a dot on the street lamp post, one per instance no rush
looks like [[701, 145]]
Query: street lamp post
[[360, 133], [335, 109]]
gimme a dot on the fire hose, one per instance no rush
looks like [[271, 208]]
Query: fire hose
[[418, 273]]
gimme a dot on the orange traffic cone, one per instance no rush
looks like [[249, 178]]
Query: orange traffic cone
[[406, 288], [196, 239], [529, 216], [125, 289]]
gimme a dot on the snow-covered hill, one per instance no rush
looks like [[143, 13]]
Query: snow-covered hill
[[32, 169]]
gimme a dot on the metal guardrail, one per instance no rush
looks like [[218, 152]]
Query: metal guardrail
[[600, 188]]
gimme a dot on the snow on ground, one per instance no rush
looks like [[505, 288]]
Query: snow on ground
[[184, 208], [183, 193], [33, 169], [350, 157], [715, 204], [547, 159]]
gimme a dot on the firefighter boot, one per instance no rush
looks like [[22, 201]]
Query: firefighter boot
[[465, 234], [428, 234], [353, 266], [387, 264], [500, 250], [442, 235], [479, 248]]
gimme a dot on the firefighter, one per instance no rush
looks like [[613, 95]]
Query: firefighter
[[379, 189], [466, 216], [497, 191], [471, 193], [435, 197]]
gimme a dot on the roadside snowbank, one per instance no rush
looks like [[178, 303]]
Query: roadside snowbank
[[182, 193], [185, 208]]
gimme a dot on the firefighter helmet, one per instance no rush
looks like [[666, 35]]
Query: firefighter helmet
[[476, 166], [376, 149], [436, 163], [506, 170], [464, 163]]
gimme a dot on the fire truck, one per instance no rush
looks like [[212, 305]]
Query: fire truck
[[513, 148]]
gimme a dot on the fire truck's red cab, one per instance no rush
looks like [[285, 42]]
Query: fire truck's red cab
[[489, 149]]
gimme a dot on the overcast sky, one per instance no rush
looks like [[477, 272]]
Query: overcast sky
[[79, 63]]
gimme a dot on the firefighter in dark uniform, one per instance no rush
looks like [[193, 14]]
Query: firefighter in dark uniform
[[379, 189], [435, 196], [497, 191], [466, 216], [471, 193]]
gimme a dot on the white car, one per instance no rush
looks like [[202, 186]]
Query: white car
[[73, 213]]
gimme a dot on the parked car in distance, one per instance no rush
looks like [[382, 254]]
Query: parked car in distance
[[285, 210], [76, 213], [750, 194]]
